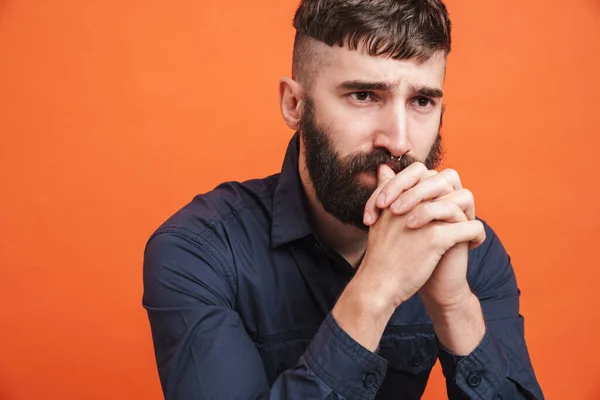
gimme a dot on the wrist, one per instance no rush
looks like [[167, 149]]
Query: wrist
[[362, 313], [446, 303], [459, 328], [374, 292]]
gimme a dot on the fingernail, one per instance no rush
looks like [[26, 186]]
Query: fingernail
[[368, 218], [397, 205], [381, 200], [410, 220]]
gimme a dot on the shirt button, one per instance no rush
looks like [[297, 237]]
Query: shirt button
[[474, 380], [368, 380], [417, 359]]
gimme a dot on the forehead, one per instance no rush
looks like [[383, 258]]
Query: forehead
[[339, 64]]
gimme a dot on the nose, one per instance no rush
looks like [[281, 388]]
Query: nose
[[393, 131]]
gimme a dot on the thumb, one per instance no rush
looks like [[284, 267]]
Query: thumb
[[385, 175]]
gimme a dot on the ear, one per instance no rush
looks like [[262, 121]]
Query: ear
[[290, 100]]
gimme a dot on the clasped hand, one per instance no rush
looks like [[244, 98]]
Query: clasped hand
[[422, 224]]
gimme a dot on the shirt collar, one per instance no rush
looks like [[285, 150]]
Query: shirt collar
[[290, 217]]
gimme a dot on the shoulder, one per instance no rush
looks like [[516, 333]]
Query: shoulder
[[211, 222], [220, 208], [193, 251]]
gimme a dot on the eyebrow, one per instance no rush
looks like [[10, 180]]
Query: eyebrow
[[364, 86], [426, 91], [415, 90]]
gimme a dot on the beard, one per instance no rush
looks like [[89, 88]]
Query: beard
[[335, 179]]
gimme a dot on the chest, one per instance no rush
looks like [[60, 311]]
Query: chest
[[410, 351], [284, 297]]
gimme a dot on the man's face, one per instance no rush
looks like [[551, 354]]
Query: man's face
[[360, 112]]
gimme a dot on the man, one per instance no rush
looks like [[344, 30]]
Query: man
[[347, 275]]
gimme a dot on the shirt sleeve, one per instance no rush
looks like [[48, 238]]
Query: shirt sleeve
[[500, 367], [203, 351]]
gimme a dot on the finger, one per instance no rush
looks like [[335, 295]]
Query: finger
[[371, 213], [426, 175], [406, 179], [474, 245], [384, 175], [441, 210], [452, 177], [464, 199], [429, 189], [372, 210], [468, 231]]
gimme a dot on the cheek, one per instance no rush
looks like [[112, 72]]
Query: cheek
[[352, 131], [422, 134]]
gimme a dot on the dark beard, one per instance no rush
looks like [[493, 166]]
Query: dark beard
[[335, 180]]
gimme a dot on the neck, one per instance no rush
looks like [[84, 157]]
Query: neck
[[348, 241]]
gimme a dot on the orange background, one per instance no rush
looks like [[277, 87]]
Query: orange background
[[114, 114]]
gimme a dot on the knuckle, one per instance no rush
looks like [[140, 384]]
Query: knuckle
[[480, 227], [449, 205], [468, 194], [437, 204], [425, 209], [455, 211], [420, 167], [383, 192], [455, 206], [446, 186], [451, 172], [453, 175], [438, 239]]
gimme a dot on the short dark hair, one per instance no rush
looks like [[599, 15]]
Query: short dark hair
[[400, 29]]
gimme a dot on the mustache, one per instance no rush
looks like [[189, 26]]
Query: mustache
[[370, 162]]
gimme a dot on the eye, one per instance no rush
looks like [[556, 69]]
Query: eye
[[362, 97], [423, 102]]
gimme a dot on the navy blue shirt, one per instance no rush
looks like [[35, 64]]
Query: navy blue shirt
[[239, 288]]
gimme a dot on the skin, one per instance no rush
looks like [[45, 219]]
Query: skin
[[421, 221]]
